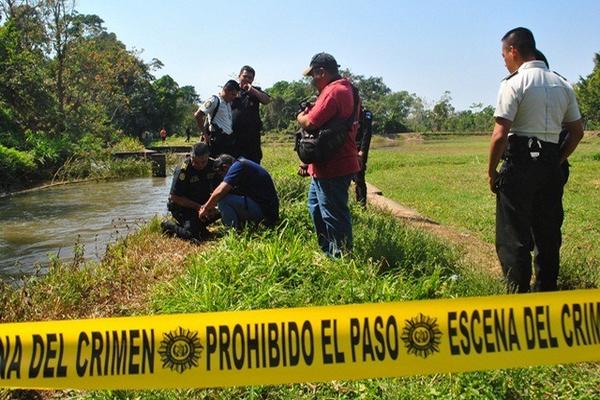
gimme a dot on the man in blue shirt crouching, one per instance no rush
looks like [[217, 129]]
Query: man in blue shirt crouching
[[246, 194]]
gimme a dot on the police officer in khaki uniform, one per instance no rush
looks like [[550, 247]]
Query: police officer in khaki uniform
[[192, 185], [533, 104]]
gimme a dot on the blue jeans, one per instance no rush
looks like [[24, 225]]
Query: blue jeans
[[328, 207], [235, 210]]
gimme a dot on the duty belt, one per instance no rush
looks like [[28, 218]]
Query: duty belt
[[531, 148]]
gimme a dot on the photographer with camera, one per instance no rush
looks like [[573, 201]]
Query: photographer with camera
[[214, 118], [330, 179]]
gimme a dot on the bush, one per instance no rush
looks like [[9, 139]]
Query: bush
[[14, 164], [46, 150], [89, 144], [103, 167], [128, 144]]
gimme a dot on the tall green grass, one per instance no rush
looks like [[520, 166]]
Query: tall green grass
[[283, 267], [445, 179]]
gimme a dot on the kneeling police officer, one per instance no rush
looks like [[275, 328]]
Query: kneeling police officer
[[193, 182]]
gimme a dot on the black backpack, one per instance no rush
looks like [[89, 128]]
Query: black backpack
[[320, 145]]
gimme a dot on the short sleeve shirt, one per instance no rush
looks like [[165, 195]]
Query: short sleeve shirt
[[250, 179], [192, 184], [537, 101], [223, 117], [336, 100]]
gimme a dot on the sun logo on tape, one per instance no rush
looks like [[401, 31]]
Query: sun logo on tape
[[180, 350], [421, 336]]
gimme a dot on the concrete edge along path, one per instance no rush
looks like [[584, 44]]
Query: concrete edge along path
[[476, 253]]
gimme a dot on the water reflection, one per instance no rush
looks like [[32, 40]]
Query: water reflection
[[51, 221]]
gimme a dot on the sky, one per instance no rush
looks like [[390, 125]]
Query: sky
[[424, 47]]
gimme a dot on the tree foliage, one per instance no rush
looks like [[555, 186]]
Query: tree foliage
[[588, 94], [286, 97], [67, 85]]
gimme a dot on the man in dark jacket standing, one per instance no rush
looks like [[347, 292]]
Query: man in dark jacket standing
[[247, 124]]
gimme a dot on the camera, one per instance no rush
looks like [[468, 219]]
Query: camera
[[303, 105]]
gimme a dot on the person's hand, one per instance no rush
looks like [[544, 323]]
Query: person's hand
[[206, 214], [303, 170], [246, 86], [492, 181], [361, 159]]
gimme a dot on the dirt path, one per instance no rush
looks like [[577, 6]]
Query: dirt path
[[475, 252]]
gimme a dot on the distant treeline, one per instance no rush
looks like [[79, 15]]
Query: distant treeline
[[393, 112]]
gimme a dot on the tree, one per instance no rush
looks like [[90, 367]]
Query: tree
[[391, 111], [26, 99], [61, 14], [371, 89], [166, 92], [442, 111], [588, 95], [285, 103]]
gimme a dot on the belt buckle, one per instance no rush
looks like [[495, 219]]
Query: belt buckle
[[535, 147]]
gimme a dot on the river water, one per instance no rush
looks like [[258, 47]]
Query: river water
[[52, 221]]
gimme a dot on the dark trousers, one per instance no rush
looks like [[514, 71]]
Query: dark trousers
[[221, 143], [189, 226], [252, 153], [360, 186], [248, 145], [529, 216]]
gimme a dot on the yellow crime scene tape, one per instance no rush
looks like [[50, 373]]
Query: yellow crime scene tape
[[303, 344]]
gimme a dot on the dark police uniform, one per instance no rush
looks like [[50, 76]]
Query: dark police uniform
[[197, 186], [247, 126], [529, 211], [363, 142]]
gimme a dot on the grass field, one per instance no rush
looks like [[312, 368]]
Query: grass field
[[446, 179], [149, 274]]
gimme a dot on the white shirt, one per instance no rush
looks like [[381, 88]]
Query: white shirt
[[537, 101], [223, 118]]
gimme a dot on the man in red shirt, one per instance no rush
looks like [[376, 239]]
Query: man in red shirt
[[330, 180]]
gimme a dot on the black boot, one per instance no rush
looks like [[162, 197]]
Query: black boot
[[172, 229]]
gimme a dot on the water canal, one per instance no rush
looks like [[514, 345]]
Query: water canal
[[39, 224]]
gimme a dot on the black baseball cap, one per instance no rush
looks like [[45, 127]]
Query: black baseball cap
[[321, 60], [223, 159]]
